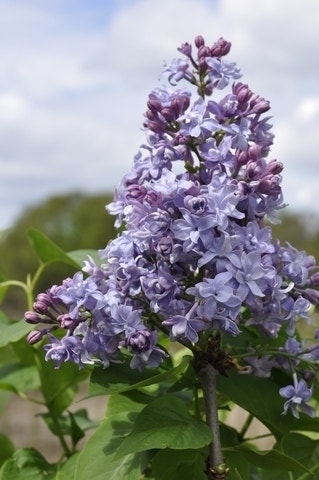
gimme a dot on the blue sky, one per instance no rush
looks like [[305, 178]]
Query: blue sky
[[75, 75]]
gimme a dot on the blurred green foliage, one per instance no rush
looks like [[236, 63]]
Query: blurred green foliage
[[73, 221]]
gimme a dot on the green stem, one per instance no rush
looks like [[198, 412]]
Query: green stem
[[208, 378], [309, 475], [59, 433], [246, 425]]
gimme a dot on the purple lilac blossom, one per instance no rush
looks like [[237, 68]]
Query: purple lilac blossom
[[194, 256], [297, 396]]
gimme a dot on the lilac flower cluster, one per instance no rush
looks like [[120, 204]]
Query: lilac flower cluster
[[195, 257]]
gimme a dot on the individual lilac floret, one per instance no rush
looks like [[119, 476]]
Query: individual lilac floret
[[297, 396], [68, 348]]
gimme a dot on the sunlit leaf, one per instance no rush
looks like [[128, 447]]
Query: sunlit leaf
[[27, 464], [12, 332], [18, 378], [47, 251], [96, 461], [165, 423]]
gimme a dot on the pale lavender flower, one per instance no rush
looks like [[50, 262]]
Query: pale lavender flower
[[297, 396]]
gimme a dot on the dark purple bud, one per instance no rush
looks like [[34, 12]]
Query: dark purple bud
[[66, 321], [310, 261], [154, 105], [203, 52], [34, 337], [220, 48], [254, 170], [308, 375], [40, 307], [314, 279], [242, 92], [208, 90], [136, 192], [259, 105], [199, 41], [270, 185], [32, 317], [242, 157], [274, 167], [312, 295], [180, 104], [254, 152]]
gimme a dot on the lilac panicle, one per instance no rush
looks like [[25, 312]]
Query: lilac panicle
[[194, 257]]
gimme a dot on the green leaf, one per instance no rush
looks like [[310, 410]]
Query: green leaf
[[47, 251], [239, 467], [18, 378], [76, 432], [303, 449], [59, 385], [179, 465], [27, 464], [260, 397], [13, 332], [96, 460], [79, 256], [7, 448], [271, 459], [121, 378], [66, 470], [73, 424], [124, 404], [165, 423]]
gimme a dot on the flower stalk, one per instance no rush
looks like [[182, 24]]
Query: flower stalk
[[216, 464]]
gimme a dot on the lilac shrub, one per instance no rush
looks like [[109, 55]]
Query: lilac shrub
[[195, 259]]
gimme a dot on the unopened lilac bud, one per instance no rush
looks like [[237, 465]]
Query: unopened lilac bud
[[40, 307], [242, 157], [154, 105], [136, 192], [270, 185], [199, 41], [254, 152], [66, 321], [242, 92], [274, 167], [34, 337], [308, 375], [310, 261], [32, 317], [186, 49], [254, 170], [312, 295], [220, 48], [203, 52], [314, 279], [259, 105]]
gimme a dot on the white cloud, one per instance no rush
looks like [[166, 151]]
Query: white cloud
[[74, 80]]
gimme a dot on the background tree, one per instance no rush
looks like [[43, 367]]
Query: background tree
[[72, 221]]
